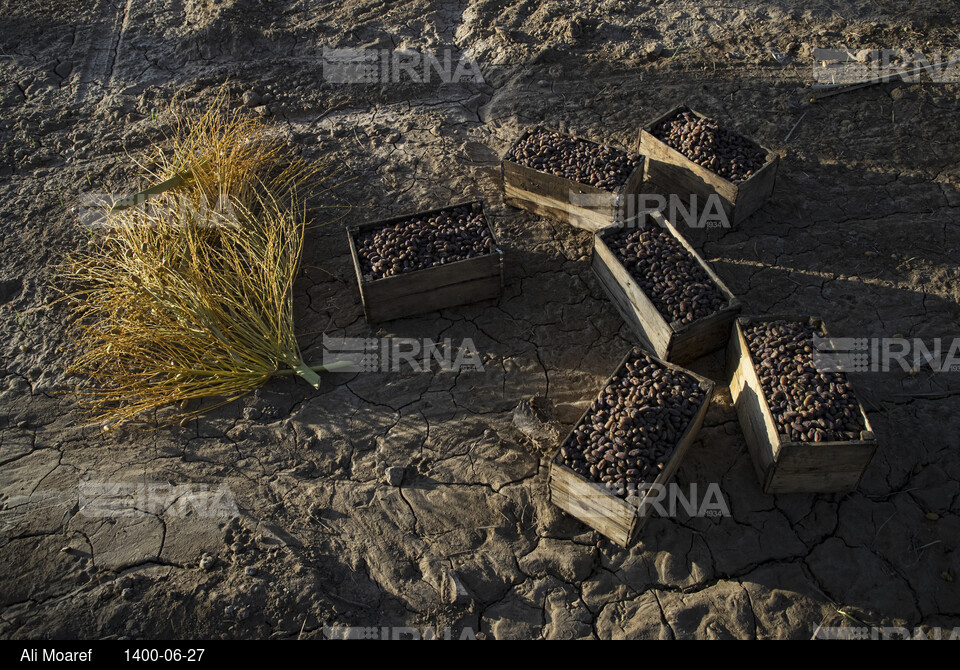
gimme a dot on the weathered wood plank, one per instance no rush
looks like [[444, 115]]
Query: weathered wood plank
[[631, 302], [587, 218], [420, 281], [546, 184], [670, 168], [825, 467], [756, 422], [594, 496], [756, 190], [452, 295], [703, 336]]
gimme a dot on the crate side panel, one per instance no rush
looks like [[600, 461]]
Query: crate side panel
[[749, 406], [703, 337], [755, 191], [634, 306], [679, 175], [554, 197], [804, 467], [599, 509], [463, 293], [420, 281]]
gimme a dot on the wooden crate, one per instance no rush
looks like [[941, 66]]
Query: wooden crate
[[676, 174], [427, 290], [591, 503], [556, 197], [676, 342], [783, 466]]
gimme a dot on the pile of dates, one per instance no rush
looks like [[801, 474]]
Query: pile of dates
[[670, 276], [578, 160], [424, 241], [807, 405]]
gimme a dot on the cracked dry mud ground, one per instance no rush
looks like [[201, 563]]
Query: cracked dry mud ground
[[862, 229]]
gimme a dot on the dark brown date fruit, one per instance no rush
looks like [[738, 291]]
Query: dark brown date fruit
[[632, 428]]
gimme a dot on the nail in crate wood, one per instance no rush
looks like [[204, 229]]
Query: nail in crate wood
[[676, 174], [672, 341], [590, 502], [420, 291], [580, 205], [783, 465]]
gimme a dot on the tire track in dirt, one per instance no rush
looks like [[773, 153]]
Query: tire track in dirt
[[97, 80]]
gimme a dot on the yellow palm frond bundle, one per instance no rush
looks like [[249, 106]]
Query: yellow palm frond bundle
[[183, 300]]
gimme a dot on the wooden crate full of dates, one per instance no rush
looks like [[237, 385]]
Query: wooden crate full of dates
[[426, 261], [583, 183], [628, 444], [689, 154], [669, 296], [806, 430]]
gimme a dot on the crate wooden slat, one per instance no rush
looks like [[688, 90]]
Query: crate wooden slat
[[675, 342], [611, 516], [427, 290], [782, 465], [591, 503], [676, 174], [550, 195]]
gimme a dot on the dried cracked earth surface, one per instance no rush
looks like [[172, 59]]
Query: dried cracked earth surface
[[862, 229]]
